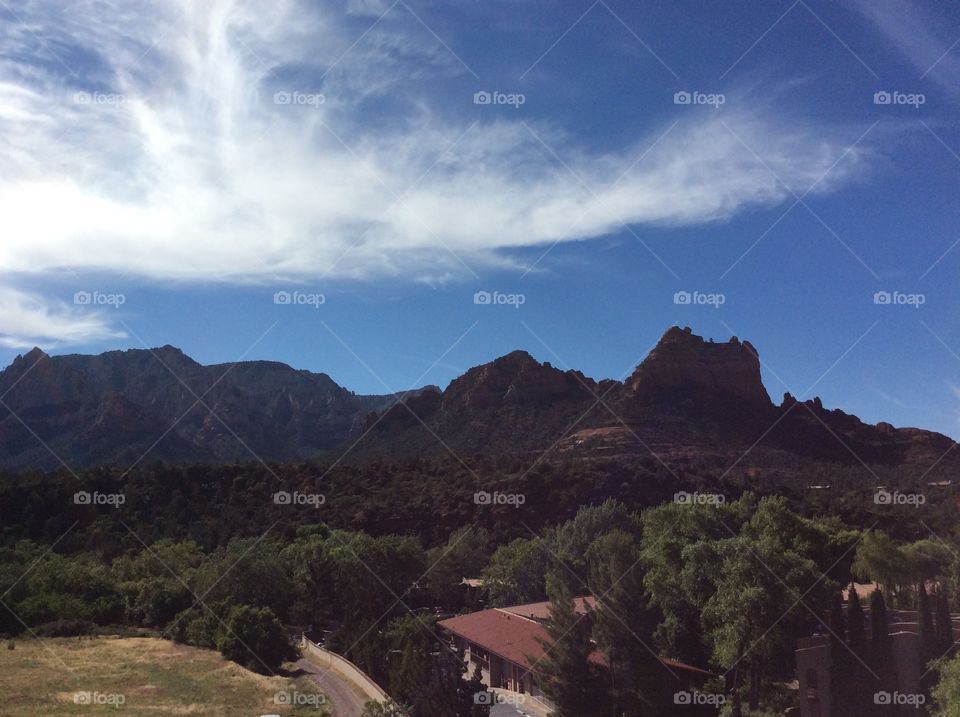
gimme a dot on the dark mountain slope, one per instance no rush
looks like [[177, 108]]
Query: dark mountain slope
[[115, 407]]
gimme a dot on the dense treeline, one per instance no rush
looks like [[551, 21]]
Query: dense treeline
[[209, 557], [427, 498]]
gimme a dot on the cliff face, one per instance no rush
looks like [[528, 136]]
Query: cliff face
[[123, 405], [689, 397], [683, 364]]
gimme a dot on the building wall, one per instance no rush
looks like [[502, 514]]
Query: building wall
[[814, 671], [495, 671]]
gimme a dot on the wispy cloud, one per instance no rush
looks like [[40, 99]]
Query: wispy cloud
[[179, 164], [28, 319], [920, 36]]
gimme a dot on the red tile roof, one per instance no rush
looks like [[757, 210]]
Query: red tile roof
[[541, 610], [510, 636], [504, 632]]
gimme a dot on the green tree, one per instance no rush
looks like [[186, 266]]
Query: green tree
[[570, 541], [387, 708], [464, 555], [750, 618], [944, 623], [516, 573], [254, 638], [475, 686], [926, 633], [880, 559], [623, 626], [946, 692], [881, 647], [569, 677]]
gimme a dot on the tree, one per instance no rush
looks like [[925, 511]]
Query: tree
[[946, 693], [444, 692], [681, 569], [254, 638], [387, 708], [838, 649], [852, 672], [476, 687], [926, 634], [570, 541], [944, 623], [515, 573], [881, 655], [750, 619], [569, 677], [411, 645], [623, 626], [465, 555], [881, 560]]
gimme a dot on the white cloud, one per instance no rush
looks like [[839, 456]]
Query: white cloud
[[28, 320], [192, 172], [914, 32]]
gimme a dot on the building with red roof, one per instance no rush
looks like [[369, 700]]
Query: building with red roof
[[508, 645]]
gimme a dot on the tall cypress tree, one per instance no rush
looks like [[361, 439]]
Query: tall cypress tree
[[944, 624], [881, 655], [925, 630], [570, 679], [840, 658], [624, 625], [857, 657]]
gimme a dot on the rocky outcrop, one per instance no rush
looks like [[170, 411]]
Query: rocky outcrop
[[683, 364], [689, 397]]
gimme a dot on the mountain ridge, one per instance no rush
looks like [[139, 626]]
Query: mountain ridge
[[688, 395]]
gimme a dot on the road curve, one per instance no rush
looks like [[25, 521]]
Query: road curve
[[346, 699]]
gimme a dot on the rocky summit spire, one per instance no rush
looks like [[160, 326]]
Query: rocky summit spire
[[683, 363]]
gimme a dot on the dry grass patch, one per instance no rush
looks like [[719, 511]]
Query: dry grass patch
[[145, 677]]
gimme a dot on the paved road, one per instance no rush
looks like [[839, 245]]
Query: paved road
[[347, 700]]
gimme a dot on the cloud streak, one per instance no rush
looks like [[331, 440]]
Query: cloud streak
[[176, 163], [28, 319]]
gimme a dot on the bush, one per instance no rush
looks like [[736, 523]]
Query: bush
[[254, 638], [66, 628]]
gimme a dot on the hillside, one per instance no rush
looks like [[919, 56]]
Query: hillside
[[123, 405], [689, 398]]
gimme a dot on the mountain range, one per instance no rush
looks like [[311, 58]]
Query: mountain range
[[689, 397]]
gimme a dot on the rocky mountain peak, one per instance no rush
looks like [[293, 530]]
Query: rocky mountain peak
[[683, 363], [516, 378]]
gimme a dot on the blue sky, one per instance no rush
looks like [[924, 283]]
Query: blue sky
[[192, 160]]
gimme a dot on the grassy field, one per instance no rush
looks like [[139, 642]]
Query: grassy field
[[139, 676]]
